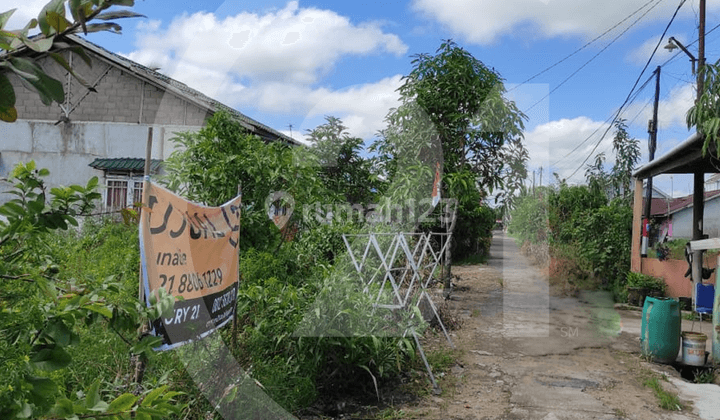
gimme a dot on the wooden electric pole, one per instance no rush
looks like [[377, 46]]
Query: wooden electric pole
[[652, 145]]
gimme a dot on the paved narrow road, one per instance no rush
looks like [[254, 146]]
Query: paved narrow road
[[526, 354]]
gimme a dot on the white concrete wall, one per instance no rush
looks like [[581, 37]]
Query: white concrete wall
[[66, 150]]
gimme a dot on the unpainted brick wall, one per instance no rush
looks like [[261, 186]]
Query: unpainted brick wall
[[119, 97]]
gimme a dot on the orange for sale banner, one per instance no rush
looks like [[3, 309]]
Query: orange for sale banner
[[192, 252]]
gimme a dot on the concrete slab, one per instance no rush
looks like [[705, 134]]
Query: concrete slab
[[705, 397]]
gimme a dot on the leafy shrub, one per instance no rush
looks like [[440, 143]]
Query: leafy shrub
[[63, 328], [645, 281]]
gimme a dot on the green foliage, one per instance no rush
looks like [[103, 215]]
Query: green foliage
[[704, 115], [209, 165], [20, 52], [463, 99], [453, 111], [627, 155], [666, 400], [47, 315], [473, 231], [343, 170], [278, 293], [568, 207], [529, 222], [570, 218], [645, 281]]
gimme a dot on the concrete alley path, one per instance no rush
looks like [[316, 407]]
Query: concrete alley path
[[525, 354]]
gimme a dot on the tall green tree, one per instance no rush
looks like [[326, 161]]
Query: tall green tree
[[463, 99], [627, 155], [453, 110]]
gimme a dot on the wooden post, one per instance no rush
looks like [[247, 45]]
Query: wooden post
[[635, 259], [145, 197], [139, 360]]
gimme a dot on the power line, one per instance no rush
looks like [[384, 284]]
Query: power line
[[617, 114], [586, 45], [594, 56], [607, 121]]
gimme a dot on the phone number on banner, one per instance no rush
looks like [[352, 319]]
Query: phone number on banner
[[190, 282]]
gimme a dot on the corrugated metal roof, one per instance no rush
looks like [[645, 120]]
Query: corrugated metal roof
[[125, 164], [661, 207]]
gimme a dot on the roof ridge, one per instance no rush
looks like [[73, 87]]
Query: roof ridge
[[181, 88]]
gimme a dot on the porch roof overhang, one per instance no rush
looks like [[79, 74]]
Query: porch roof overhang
[[685, 158]]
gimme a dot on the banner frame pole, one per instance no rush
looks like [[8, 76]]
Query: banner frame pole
[[145, 200]]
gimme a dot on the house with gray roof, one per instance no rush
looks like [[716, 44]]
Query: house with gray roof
[[103, 131]]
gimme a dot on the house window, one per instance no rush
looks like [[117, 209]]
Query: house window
[[122, 191], [123, 180]]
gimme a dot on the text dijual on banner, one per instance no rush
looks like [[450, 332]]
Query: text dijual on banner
[[192, 252]]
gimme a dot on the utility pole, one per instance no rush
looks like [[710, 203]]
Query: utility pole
[[699, 176], [533, 190], [541, 176], [652, 145]]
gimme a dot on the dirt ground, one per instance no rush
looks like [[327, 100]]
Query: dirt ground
[[525, 351]]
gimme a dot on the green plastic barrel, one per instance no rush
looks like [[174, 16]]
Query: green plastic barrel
[[660, 331]]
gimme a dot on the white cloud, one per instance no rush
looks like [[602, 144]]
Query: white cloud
[[275, 62], [362, 107], [640, 55], [26, 11], [483, 21], [548, 144], [289, 45]]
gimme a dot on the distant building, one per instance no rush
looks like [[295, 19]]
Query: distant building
[[673, 217]]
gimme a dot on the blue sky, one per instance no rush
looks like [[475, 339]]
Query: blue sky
[[293, 62]]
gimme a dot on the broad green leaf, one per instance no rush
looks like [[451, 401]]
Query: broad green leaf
[[41, 45], [122, 403], [92, 183], [152, 396], [5, 16], [93, 394], [58, 21], [57, 6], [109, 26], [129, 3], [42, 387], [146, 344], [48, 88], [98, 308], [118, 14], [50, 358], [60, 333], [63, 408], [11, 208], [7, 92]]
